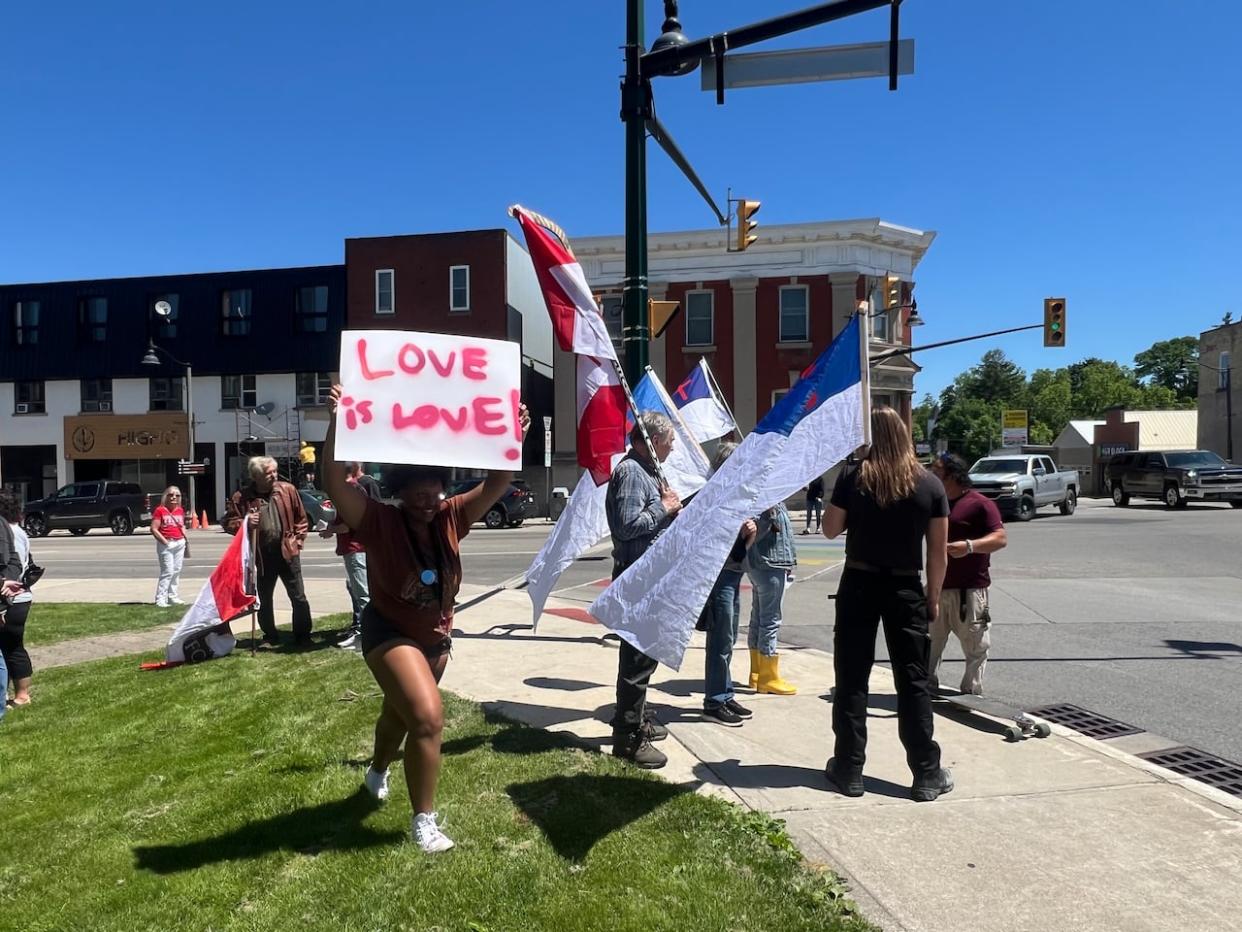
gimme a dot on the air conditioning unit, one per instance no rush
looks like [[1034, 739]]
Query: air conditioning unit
[[105, 406], [23, 408]]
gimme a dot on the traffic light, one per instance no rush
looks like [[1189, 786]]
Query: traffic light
[[660, 314], [746, 226], [892, 296], [1054, 321]]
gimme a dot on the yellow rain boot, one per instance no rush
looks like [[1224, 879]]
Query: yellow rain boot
[[755, 657], [770, 677]]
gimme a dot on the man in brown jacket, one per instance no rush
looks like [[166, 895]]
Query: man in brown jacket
[[272, 510]]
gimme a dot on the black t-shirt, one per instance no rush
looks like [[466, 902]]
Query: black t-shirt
[[816, 488], [889, 537]]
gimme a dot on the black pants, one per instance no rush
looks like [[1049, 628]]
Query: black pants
[[12, 636], [863, 600], [273, 565], [634, 669]]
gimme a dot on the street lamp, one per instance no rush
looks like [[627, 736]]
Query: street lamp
[[152, 358]]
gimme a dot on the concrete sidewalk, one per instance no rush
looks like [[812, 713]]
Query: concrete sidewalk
[[1061, 833]]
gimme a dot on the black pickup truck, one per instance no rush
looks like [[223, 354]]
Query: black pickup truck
[[1175, 477], [80, 506]]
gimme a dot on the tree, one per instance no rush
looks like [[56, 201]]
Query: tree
[[971, 427], [996, 380], [1097, 384], [921, 415], [1050, 407], [1171, 364]]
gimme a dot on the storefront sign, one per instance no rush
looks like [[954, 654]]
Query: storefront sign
[[1112, 449], [160, 436], [1014, 431]]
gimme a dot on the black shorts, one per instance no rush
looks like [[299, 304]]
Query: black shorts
[[377, 630]]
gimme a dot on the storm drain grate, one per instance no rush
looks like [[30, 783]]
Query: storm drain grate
[[1085, 722], [1191, 762]]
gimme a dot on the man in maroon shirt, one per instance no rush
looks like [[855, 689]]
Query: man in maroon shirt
[[975, 531]]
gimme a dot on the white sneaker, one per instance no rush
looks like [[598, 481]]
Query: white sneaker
[[161, 604], [350, 643], [376, 783], [427, 834], [178, 601]]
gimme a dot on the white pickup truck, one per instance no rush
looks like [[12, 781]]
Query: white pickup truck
[[1019, 483]]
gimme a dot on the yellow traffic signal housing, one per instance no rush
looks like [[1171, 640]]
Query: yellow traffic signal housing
[[660, 314], [892, 296], [1054, 321], [746, 226]]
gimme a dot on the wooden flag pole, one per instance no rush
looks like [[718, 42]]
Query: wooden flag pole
[[251, 581]]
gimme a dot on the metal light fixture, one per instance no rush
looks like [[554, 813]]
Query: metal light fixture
[[151, 359], [914, 320], [671, 36]]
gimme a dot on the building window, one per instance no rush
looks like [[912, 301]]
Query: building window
[[166, 395], [385, 291], [700, 318], [459, 288], [238, 391], [96, 395], [28, 398], [235, 313], [878, 312], [313, 309], [313, 388], [26, 323], [165, 324], [794, 324], [1223, 375], [92, 320], [612, 307]]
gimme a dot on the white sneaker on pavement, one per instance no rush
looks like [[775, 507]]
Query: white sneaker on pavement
[[161, 604], [427, 834], [350, 643], [376, 783], [178, 601]]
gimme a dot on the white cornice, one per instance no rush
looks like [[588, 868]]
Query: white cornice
[[869, 246]]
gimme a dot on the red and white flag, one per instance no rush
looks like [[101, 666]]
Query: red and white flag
[[203, 633], [579, 329]]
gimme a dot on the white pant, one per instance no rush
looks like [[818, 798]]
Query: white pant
[[963, 612], [170, 556]]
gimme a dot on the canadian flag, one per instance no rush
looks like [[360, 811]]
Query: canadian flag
[[203, 633], [579, 329]]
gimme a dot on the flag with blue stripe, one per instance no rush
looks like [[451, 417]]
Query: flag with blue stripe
[[654, 604]]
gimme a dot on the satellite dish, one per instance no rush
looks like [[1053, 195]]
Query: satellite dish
[[163, 308], [266, 408]]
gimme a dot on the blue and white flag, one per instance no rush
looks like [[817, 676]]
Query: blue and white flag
[[584, 522], [705, 414], [655, 603]]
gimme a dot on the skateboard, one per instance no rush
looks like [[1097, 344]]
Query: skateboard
[[1024, 725]]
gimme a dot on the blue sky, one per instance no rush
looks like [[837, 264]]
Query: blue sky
[[1081, 149]]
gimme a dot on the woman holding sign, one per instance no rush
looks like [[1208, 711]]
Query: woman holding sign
[[414, 570]]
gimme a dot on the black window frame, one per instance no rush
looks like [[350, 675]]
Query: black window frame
[[234, 320], [164, 328], [710, 295], [313, 319], [454, 306], [36, 402], [25, 334], [102, 395], [319, 398], [90, 329], [175, 391], [237, 401]]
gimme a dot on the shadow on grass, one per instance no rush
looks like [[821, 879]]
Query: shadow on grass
[[329, 826], [577, 812]]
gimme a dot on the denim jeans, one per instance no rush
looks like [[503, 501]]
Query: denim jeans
[[768, 591], [170, 556], [724, 606], [357, 587]]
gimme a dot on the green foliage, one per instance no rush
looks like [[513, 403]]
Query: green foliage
[[1171, 364], [227, 795]]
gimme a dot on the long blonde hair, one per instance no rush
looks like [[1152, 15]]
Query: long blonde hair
[[891, 470], [164, 497]]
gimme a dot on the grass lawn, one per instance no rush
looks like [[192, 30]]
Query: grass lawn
[[51, 622], [227, 796]]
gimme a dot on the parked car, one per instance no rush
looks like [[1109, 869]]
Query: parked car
[[318, 507], [514, 507], [1022, 483], [1175, 477], [81, 506]]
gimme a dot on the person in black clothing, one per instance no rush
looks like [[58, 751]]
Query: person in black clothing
[[888, 507], [814, 504]]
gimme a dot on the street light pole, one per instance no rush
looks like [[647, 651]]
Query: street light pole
[[189, 407], [635, 110]]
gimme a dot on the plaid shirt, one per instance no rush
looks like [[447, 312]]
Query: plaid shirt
[[636, 516]]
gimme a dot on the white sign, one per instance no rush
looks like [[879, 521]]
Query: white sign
[[429, 398], [547, 445]]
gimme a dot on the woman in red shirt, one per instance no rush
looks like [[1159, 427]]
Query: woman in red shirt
[[414, 571], [168, 529]]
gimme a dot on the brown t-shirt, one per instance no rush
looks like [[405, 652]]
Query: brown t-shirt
[[414, 581]]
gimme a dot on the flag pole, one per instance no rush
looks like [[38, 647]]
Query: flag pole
[[251, 582], [720, 395], [675, 413], [642, 428]]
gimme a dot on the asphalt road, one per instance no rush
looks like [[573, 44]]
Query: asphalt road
[[1129, 612]]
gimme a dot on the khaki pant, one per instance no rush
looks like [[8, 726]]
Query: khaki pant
[[964, 612]]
